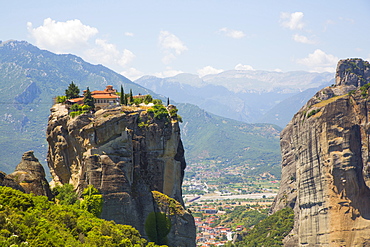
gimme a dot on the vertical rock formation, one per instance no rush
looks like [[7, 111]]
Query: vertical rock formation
[[126, 155], [29, 177], [326, 163]]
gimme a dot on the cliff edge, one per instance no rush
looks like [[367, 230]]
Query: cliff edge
[[130, 154], [326, 163]]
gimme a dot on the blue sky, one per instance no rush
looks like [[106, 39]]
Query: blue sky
[[166, 37]]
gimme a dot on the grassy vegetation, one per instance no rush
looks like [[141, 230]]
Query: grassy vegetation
[[165, 202], [328, 101]]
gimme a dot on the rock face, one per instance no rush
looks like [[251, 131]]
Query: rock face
[[127, 154], [28, 177], [326, 163]]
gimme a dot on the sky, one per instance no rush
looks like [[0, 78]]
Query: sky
[[167, 37]]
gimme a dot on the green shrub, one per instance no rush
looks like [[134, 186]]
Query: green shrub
[[92, 201], [157, 102], [313, 112], [157, 227], [77, 109], [61, 99], [364, 90], [65, 194], [159, 111], [148, 99]]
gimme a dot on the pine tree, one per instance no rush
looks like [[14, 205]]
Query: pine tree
[[73, 91], [88, 99]]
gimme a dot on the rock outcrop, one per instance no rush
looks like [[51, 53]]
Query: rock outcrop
[[126, 153], [28, 177], [326, 163]]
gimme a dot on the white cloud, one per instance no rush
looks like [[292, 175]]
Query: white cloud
[[108, 54], [319, 61], [236, 34], [169, 72], [208, 70], [292, 20], [349, 20], [171, 45], [243, 67], [129, 34], [278, 70], [74, 37], [302, 39], [132, 74], [61, 37]]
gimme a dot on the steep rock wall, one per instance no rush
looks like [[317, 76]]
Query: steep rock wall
[[325, 163], [126, 154]]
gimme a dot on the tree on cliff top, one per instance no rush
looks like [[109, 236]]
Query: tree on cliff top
[[73, 91], [88, 99]]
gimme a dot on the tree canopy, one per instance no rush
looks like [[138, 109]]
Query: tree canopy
[[72, 91]]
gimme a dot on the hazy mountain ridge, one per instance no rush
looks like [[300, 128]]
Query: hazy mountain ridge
[[241, 95], [259, 81]]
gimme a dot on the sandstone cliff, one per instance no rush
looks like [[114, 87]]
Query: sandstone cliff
[[326, 163], [126, 153], [28, 177]]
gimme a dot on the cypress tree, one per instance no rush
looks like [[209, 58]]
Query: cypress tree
[[122, 98], [131, 97], [168, 101]]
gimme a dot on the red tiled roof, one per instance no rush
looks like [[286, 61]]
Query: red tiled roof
[[101, 92], [105, 96], [75, 100]]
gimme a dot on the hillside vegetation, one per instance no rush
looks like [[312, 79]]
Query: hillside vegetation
[[28, 220], [270, 231]]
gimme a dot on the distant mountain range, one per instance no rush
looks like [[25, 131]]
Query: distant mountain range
[[30, 78], [249, 96]]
